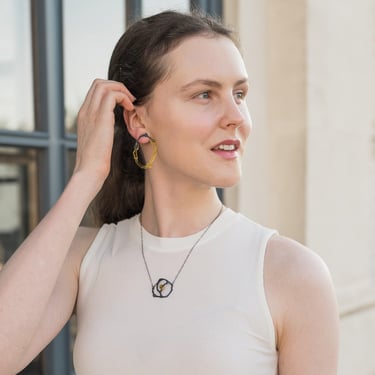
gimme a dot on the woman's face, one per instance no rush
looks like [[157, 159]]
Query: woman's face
[[198, 114]]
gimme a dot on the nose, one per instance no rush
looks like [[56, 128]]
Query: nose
[[234, 113]]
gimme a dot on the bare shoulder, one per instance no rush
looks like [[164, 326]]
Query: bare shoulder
[[294, 263], [303, 306], [294, 274]]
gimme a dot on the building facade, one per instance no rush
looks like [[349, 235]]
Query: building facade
[[310, 163]]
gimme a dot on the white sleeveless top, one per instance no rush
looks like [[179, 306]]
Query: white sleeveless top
[[215, 322]]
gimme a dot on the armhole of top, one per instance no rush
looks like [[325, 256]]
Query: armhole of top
[[262, 292], [94, 248]]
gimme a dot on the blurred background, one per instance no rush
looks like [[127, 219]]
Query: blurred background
[[309, 169]]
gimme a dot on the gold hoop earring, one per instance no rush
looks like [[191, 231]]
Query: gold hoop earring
[[137, 147]]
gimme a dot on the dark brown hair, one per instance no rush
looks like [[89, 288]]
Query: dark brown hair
[[137, 61]]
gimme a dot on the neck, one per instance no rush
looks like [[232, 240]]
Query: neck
[[177, 211]]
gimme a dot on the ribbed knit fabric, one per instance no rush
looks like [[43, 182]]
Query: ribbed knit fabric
[[216, 321]]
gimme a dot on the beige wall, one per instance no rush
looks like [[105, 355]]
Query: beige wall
[[310, 166], [274, 47]]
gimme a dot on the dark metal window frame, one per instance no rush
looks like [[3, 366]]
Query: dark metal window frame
[[50, 137]]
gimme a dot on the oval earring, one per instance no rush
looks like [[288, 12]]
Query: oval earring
[[137, 147]]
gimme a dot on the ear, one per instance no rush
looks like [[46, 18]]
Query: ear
[[134, 122]]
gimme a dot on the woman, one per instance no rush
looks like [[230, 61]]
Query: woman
[[172, 282]]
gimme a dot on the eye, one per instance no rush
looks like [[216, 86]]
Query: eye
[[239, 95], [204, 95]]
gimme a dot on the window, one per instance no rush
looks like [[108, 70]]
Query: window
[[150, 7], [91, 30], [50, 52], [16, 97], [18, 197]]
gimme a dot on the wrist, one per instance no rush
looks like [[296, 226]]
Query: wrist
[[89, 185]]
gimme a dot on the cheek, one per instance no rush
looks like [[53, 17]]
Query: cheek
[[193, 123], [248, 123]]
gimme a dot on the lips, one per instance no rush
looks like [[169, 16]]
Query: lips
[[227, 145], [227, 149]]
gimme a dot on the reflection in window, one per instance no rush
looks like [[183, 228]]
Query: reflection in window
[[18, 198], [91, 30], [150, 7], [16, 96]]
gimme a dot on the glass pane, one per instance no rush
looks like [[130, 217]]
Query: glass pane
[[18, 198], [150, 7], [91, 30], [18, 208], [16, 90]]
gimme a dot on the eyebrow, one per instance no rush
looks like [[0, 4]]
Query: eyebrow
[[211, 83]]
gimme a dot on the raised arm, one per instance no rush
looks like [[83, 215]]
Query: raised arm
[[303, 305], [40, 278]]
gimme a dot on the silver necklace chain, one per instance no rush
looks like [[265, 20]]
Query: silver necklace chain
[[163, 287]]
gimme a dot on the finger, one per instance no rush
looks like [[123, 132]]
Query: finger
[[108, 103], [127, 103], [90, 93], [123, 88], [119, 86], [103, 88]]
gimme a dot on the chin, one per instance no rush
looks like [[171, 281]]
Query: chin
[[227, 181]]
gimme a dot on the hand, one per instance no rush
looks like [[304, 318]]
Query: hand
[[96, 127]]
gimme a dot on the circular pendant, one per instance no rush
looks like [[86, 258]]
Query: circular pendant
[[162, 289]]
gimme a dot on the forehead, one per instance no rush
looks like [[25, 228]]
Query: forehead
[[208, 57]]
